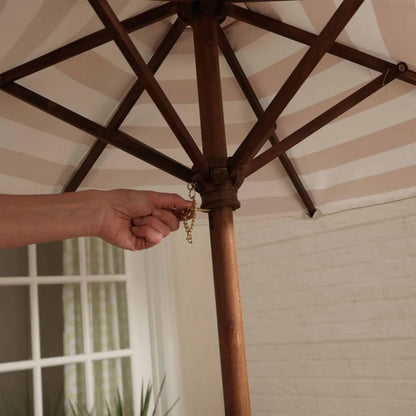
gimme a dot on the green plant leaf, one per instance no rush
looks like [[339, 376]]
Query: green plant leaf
[[171, 408], [8, 406], [141, 399], [108, 409], [146, 400], [73, 409], [79, 411], [162, 384], [119, 404]]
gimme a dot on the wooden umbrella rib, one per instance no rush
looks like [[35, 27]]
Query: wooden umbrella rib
[[258, 110], [320, 121], [86, 165], [257, 136], [126, 105], [408, 76], [308, 38], [117, 138], [86, 43], [133, 57]]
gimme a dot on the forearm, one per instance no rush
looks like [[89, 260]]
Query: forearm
[[128, 219], [26, 219]]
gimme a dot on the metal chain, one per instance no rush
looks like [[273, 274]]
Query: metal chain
[[189, 222]]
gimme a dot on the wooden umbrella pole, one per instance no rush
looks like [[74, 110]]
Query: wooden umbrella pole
[[230, 326], [221, 197]]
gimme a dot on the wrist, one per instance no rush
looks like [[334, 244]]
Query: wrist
[[91, 212]]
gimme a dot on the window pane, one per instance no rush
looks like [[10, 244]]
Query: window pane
[[60, 320], [14, 262], [103, 258], [61, 387], [110, 377], [49, 259], [16, 394], [58, 258], [15, 340], [108, 311]]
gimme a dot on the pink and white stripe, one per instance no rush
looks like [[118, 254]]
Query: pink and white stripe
[[365, 157]]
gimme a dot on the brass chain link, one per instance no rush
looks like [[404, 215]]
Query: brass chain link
[[189, 222]]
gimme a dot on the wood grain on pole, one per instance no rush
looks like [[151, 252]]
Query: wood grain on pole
[[224, 258], [229, 320]]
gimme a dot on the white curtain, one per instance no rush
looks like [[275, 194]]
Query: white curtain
[[108, 327]]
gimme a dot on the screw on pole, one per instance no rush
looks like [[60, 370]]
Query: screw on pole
[[402, 67]]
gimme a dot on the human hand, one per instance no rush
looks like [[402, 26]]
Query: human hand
[[136, 220]]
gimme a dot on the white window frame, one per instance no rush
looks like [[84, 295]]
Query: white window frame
[[151, 315]]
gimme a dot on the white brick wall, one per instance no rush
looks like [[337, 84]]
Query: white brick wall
[[330, 313]]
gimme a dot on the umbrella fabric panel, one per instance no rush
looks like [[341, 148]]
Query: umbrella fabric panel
[[366, 156]]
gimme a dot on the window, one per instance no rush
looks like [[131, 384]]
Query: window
[[74, 322]]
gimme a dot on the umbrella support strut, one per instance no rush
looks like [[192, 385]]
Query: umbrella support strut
[[219, 194]]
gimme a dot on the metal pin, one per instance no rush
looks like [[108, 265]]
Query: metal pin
[[174, 209]]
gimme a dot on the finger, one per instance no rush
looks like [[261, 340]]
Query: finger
[[148, 233], [154, 222], [182, 214], [142, 244], [167, 201], [167, 217]]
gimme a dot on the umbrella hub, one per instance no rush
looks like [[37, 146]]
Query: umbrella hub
[[219, 190], [189, 11]]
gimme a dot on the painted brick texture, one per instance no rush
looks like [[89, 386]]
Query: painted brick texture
[[329, 311]]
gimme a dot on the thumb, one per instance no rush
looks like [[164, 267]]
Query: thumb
[[169, 201]]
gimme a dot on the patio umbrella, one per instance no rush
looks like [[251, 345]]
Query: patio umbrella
[[228, 96]]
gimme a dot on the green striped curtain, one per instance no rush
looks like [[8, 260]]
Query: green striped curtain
[[108, 324]]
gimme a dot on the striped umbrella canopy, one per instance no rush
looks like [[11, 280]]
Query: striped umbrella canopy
[[309, 105], [351, 151]]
